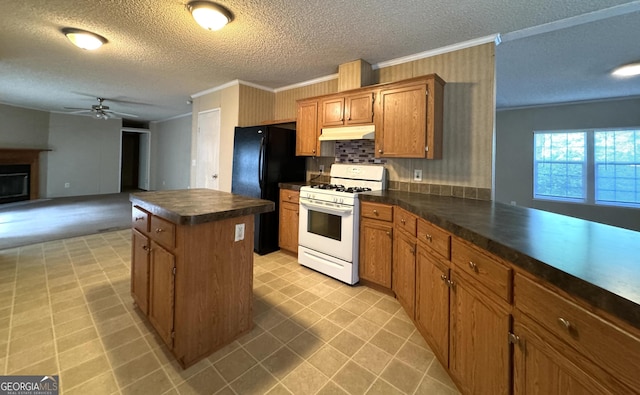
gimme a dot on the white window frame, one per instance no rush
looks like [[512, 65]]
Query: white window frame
[[589, 167]]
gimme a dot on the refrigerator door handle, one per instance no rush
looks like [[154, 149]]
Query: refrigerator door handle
[[260, 163]]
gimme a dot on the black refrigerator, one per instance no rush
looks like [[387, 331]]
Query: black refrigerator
[[263, 156]]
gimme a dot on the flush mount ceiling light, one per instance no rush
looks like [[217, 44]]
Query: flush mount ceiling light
[[84, 39], [628, 70], [209, 15]]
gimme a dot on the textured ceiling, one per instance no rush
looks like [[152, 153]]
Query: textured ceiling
[[157, 56]]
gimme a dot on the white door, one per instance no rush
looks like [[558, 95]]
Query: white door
[[208, 149], [143, 169]]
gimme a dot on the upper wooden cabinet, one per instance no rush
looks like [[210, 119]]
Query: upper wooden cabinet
[[407, 116], [409, 119], [355, 109], [307, 130]]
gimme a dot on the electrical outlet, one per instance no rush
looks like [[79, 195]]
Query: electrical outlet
[[321, 168], [417, 175], [67, 185], [239, 232]]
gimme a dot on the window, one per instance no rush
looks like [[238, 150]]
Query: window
[[592, 166]]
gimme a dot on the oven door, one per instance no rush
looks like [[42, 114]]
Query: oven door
[[327, 227]]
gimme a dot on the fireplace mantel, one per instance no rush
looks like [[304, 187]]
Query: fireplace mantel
[[25, 156]]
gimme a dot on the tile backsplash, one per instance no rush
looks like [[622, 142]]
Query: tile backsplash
[[357, 151]]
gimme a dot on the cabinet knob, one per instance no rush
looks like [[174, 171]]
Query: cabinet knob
[[388, 233], [139, 218], [403, 221], [375, 212], [159, 230], [443, 277], [428, 237], [564, 323], [473, 266], [289, 197], [412, 251], [379, 151], [314, 151], [146, 248]]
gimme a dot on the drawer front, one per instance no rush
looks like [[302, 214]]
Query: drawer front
[[140, 219], [435, 238], [484, 267], [379, 211], [605, 344], [163, 232], [287, 195], [406, 221]]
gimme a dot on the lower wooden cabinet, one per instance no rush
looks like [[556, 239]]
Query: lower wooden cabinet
[[162, 273], [479, 358], [289, 219], [539, 368], [140, 270], [404, 271], [376, 251], [432, 302]]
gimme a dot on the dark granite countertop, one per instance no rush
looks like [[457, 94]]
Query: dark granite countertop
[[596, 262], [197, 206], [294, 186]]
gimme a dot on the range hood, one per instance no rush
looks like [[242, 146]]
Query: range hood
[[364, 132]]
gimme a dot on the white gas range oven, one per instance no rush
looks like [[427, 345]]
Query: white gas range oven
[[330, 219]]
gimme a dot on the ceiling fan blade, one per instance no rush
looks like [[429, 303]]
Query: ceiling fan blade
[[81, 112], [76, 108]]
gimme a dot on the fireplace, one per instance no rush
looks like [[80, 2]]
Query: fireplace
[[14, 183], [19, 174]]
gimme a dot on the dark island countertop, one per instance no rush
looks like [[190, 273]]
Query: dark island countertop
[[596, 262], [197, 206]]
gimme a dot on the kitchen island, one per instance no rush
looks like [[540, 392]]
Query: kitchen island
[[192, 267]]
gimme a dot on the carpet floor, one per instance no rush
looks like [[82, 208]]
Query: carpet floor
[[43, 220]]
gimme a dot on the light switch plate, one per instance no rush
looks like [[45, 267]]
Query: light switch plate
[[417, 175], [239, 232]]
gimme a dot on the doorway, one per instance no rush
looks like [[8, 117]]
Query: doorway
[[134, 160], [208, 151]]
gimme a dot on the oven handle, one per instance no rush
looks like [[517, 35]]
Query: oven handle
[[325, 208]]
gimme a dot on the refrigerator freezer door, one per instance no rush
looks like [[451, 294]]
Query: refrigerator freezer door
[[247, 150]]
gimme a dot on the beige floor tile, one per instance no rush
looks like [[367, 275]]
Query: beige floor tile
[[354, 378], [104, 303], [402, 376], [388, 304], [77, 355], [131, 371], [331, 388], [262, 346], [381, 387], [328, 360], [289, 307], [207, 381], [71, 314], [117, 338], [305, 344], [415, 356], [128, 351], [325, 329], [115, 324], [338, 297], [30, 357], [387, 341], [107, 314], [28, 317], [84, 372], [437, 372], [178, 375], [363, 328], [73, 326], [279, 389], [234, 364], [153, 383], [341, 317], [47, 366], [286, 330], [401, 328], [305, 379], [20, 342], [247, 337], [306, 317], [77, 338], [347, 343], [373, 358], [355, 306], [19, 330], [377, 316], [223, 352], [430, 386], [291, 290], [269, 319], [255, 381], [282, 362], [67, 304], [40, 302]]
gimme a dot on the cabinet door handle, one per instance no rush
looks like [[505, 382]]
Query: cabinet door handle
[[473, 266], [428, 237], [158, 230], [443, 277], [139, 218], [564, 323], [403, 221], [146, 248]]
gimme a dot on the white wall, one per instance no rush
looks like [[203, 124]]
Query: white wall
[[171, 155], [85, 153], [514, 154], [26, 128]]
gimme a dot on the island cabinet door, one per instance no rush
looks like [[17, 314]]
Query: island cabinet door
[[140, 270], [161, 292], [479, 358]]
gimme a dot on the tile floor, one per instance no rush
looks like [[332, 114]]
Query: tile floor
[[65, 309]]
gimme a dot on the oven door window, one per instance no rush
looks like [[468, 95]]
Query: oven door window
[[324, 224]]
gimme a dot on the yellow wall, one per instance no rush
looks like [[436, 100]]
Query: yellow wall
[[256, 106]]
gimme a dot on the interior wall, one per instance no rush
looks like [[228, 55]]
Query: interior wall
[[85, 153], [469, 114], [172, 152], [227, 100], [257, 106], [26, 128], [514, 154]]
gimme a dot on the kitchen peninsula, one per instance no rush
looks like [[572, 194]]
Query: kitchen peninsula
[[192, 266]]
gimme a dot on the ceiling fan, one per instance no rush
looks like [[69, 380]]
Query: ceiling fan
[[100, 111]]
